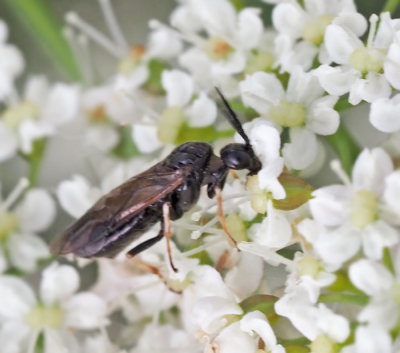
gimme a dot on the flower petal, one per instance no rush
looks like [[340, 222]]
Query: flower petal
[[179, 86], [61, 105], [301, 151], [336, 80], [373, 87], [384, 114], [33, 218], [25, 250], [17, 298], [210, 312], [261, 90], [370, 170], [340, 43], [376, 237], [250, 28], [58, 283], [76, 196], [233, 340], [289, 18], [371, 277], [85, 311], [328, 205], [146, 137], [202, 112], [8, 143], [322, 118], [256, 322]]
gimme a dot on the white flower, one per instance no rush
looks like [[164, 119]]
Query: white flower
[[11, 63], [23, 317], [108, 110], [265, 141], [302, 28], [228, 41], [360, 67], [384, 114], [303, 109], [358, 210], [383, 288], [166, 339], [391, 64], [370, 339], [38, 115], [19, 225], [310, 319]]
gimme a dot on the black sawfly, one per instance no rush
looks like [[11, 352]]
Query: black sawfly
[[162, 193]]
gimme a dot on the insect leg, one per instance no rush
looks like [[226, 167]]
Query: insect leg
[[146, 244], [221, 216], [167, 232]]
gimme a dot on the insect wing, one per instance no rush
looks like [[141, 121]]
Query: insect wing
[[90, 233]]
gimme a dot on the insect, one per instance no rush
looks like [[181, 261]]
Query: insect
[[162, 193]]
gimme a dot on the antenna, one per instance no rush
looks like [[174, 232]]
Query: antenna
[[232, 117]]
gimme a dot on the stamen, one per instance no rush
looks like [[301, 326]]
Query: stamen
[[372, 30], [145, 108], [14, 194], [87, 63], [190, 38], [73, 19], [112, 24], [337, 168], [203, 247]]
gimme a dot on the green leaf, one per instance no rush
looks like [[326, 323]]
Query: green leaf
[[126, 148], [262, 302], [153, 83], [345, 146], [43, 25]]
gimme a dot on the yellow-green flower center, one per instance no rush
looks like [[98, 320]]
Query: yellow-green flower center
[[323, 344], [258, 197], [314, 30], [259, 62], [8, 223], [236, 227], [217, 48], [308, 266], [131, 60], [367, 60], [364, 210], [288, 114], [41, 317], [16, 114], [172, 119]]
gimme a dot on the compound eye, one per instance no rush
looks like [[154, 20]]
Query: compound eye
[[235, 158]]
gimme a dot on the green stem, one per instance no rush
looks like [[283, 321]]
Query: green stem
[[390, 6], [358, 299], [345, 146], [35, 161], [41, 23]]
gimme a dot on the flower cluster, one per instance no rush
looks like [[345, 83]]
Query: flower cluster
[[317, 262]]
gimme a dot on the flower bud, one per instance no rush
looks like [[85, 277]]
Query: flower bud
[[298, 192]]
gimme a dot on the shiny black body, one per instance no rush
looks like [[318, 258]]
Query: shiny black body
[[129, 210]]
